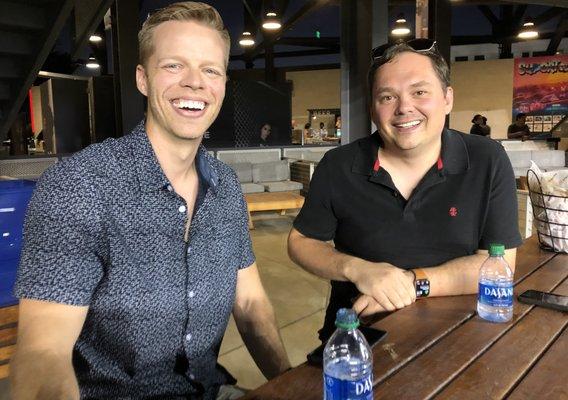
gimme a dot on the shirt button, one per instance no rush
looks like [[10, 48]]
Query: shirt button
[[181, 209], [188, 337], [191, 293], [170, 188], [192, 377]]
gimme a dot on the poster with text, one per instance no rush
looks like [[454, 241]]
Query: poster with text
[[540, 88]]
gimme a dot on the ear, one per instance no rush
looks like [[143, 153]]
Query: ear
[[449, 97], [141, 80]]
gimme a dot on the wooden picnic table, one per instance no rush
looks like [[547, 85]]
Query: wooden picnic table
[[438, 348]]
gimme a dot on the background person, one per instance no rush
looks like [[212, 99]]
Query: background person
[[519, 128]]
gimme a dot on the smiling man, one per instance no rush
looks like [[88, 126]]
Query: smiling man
[[411, 209], [137, 249]]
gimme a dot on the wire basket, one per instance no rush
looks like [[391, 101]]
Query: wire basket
[[550, 213]]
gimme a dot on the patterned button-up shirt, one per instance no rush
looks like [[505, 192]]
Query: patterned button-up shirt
[[105, 229]]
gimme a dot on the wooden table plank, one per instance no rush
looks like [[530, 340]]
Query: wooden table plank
[[453, 353], [4, 371], [411, 332], [499, 369], [529, 258], [403, 343], [8, 315], [8, 335], [549, 377], [268, 201]]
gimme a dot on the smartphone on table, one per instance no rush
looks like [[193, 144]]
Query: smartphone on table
[[372, 335], [544, 299]]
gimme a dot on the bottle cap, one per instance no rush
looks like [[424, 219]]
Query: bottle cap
[[496, 249], [346, 318]]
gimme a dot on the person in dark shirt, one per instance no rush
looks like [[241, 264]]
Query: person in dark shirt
[[263, 139], [410, 210], [479, 126], [518, 129]]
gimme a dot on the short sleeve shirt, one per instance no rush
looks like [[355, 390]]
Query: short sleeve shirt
[[105, 229], [466, 201]]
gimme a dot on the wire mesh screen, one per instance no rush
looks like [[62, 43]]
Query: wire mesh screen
[[248, 107], [550, 213]]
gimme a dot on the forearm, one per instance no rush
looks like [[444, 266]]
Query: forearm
[[514, 135], [320, 258], [455, 277], [42, 375], [258, 329]]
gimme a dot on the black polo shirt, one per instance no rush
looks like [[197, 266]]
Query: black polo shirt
[[466, 201]]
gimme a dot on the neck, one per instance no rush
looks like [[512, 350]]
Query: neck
[[175, 155], [415, 160]]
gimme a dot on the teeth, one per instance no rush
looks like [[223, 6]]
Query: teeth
[[408, 124], [189, 104]]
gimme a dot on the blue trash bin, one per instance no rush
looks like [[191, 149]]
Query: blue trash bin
[[14, 198]]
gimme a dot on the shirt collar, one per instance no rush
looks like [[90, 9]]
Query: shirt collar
[[454, 158], [150, 174]]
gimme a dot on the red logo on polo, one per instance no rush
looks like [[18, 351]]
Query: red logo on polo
[[453, 211]]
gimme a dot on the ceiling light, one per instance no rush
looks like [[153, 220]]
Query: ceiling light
[[92, 63], [400, 27], [528, 31], [95, 38], [271, 21], [246, 39]]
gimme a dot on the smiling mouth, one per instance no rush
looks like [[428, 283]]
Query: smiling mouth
[[409, 124], [189, 105]]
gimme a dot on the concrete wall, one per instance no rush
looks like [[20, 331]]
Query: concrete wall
[[313, 89], [483, 87]]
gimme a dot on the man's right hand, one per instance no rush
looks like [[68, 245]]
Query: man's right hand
[[390, 287]]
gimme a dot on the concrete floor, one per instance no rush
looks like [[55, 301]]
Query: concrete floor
[[299, 301]]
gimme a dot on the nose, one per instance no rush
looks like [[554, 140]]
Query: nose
[[404, 105], [192, 78]]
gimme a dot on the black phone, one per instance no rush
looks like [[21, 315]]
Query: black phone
[[372, 335], [544, 299]]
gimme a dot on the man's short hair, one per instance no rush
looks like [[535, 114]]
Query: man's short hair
[[183, 11], [519, 116], [438, 63]]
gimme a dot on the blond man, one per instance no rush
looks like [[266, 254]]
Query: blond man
[[137, 249]]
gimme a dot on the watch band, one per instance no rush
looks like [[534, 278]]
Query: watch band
[[421, 282]]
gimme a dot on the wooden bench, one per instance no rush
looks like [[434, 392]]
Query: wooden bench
[[268, 201], [8, 331]]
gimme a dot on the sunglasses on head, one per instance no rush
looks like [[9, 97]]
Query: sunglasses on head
[[419, 45]]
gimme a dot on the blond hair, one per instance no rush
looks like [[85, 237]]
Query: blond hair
[[183, 11]]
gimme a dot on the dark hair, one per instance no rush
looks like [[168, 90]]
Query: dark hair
[[477, 116], [307, 126], [438, 63], [519, 116]]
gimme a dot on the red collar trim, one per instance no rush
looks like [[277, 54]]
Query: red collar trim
[[377, 165]]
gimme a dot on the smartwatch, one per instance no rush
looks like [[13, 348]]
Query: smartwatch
[[421, 282]]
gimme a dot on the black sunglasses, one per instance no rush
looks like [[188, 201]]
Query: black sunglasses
[[420, 45]]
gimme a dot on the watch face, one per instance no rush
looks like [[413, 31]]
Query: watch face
[[422, 287]]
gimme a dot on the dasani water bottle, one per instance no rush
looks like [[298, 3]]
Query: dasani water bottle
[[495, 297], [347, 361]]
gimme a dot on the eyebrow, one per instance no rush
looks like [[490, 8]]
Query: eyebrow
[[414, 85]]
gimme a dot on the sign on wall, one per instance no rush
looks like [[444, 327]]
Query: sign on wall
[[540, 90]]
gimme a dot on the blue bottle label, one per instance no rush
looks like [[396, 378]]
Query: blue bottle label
[[337, 389], [495, 296]]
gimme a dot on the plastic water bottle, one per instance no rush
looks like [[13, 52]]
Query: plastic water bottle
[[495, 297], [347, 361]]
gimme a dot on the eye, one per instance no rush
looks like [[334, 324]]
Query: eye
[[385, 98], [420, 92], [172, 67], [212, 71]]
